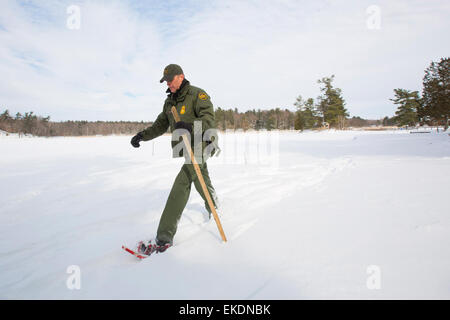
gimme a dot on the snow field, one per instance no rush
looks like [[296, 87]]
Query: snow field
[[307, 226]]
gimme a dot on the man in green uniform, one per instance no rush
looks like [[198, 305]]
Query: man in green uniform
[[197, 119]]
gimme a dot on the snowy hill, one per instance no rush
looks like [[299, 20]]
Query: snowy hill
[[312, 224]]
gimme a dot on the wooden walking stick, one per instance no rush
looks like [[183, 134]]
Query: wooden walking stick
[[187, 143]]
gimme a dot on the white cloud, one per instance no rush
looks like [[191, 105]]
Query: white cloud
[[246, 54]]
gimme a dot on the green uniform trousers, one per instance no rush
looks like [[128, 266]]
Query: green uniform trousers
[[178, 198]]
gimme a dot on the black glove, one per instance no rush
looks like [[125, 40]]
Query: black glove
[[183, 125], [136, 139]]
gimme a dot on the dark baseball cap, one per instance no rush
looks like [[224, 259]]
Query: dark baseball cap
[[171, 71]]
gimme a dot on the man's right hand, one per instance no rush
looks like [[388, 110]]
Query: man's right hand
[[136, 139]]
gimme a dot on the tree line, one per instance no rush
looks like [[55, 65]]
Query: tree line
[[327, 110], [29, 123], [226, 119]]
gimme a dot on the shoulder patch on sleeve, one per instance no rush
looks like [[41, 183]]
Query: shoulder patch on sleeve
[[202, 96]]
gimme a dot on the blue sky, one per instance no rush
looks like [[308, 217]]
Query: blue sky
[[245, 54]]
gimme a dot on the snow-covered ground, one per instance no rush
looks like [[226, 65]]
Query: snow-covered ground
[[338, 215]]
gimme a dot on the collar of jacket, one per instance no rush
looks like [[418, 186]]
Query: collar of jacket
[[180, 93]]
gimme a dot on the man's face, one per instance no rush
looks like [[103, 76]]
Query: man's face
[[175, 84]]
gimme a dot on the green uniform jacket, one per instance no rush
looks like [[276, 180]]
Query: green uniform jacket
[[192, 104]]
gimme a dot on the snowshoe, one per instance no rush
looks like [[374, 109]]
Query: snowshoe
[[150, 247]]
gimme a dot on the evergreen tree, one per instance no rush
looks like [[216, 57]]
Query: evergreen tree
[[306, 115], [5, 116], [408, 103], [388, 121], [277, 118], [331, 103], [259, 124], [310, 114], [270, 123], [436, 92], [299, 123], [5, 121], [299, 102], [29, 122]]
